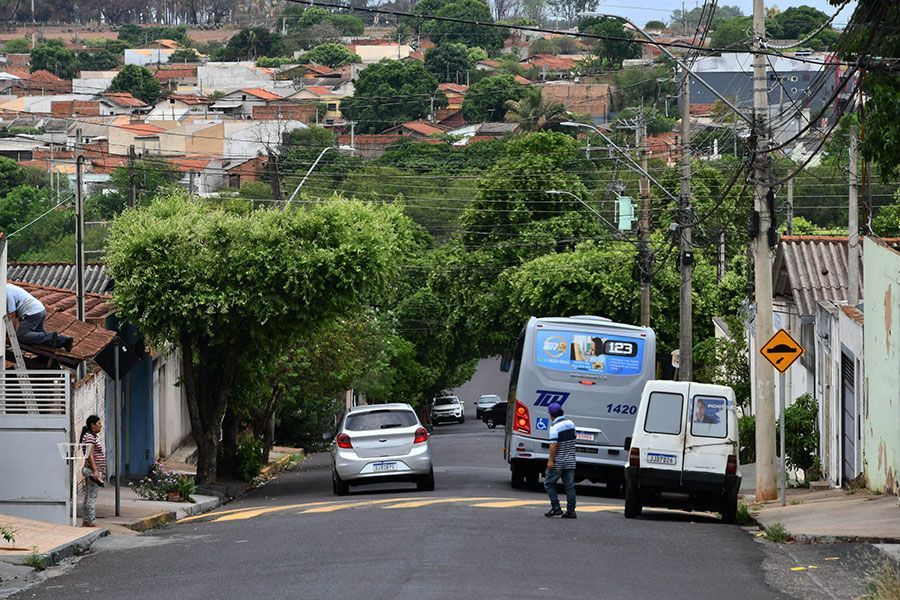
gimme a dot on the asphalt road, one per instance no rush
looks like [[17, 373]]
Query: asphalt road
[[473, 537]]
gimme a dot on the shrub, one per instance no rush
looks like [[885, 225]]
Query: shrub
[[248, 459], [743, 516], [8, 533], [801, 433], [883, 582], [747, 438], [161, 482], [776, 533]]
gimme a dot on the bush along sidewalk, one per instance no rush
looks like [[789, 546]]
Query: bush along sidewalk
[[162, 484]]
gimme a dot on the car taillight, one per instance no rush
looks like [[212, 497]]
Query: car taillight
[[634, 457], [731, 465], [343, 441], [521, 420], [421, 435]]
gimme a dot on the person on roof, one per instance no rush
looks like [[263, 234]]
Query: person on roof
[[27, 315]]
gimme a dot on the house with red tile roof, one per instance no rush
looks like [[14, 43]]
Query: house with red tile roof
[[170, 76], [240, 103], [455, 94], [549, 66], [39, 83], [415, 129], [121, 103]]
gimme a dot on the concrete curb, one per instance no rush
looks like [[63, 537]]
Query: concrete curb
[[54, 556], [273, 468], [159, 519]]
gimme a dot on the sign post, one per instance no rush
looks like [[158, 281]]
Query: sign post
[[782, 351]]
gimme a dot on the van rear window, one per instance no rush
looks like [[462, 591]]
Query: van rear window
[[664, 410], [581, 351], [709, 417]]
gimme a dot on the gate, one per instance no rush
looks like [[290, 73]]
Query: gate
[[848, 420]]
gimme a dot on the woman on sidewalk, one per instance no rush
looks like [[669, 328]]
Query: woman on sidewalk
[[94, 468]]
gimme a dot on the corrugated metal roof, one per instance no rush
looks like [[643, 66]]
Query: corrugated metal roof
[[60, 275], [811, 268]]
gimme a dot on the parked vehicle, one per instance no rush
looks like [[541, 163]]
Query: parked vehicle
[[594, 368], [484, 402], [495, 415], [684, 450], [379, 443], [448, 408]]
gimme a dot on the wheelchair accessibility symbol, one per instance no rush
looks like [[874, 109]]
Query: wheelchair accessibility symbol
[[542, 424]]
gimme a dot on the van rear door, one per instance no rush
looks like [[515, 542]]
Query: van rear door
[[710, 436], [662, 430]]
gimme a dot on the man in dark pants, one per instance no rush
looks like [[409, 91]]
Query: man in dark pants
[[27, 315], [561, 463]]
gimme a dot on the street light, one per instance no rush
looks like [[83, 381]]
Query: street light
[[321, 154], [589, 207], [631, 164]]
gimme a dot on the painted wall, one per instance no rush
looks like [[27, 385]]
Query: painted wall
[[172, 421], [881, 409]]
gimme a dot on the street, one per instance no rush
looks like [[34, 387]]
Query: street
[[473, 537]]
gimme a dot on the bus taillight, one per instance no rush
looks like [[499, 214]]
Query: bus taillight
[[521, 419]]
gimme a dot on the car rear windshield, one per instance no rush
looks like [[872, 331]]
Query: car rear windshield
[[380, 419], [664, 413], [445, 401], [493, 399]]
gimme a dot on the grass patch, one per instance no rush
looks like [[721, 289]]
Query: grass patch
[[796, 502], [36, 560], [744, 515], [883, 583], [776, 533]]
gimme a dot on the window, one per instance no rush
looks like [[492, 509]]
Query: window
[[709, 416], [664, 413], [332, 107], [380, 419]]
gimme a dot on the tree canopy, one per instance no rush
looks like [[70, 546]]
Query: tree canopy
[[448, 62], [613, 50], [442, 32], [486, 99], [137, 81], [251, 43], [330, 54], [53, 56]]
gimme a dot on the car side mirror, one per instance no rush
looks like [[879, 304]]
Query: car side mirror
[[628, 443], [429, 428]]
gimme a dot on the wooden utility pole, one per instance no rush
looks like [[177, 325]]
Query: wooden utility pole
[[763, 376], [644, 243], [686, 255], [853, 226]]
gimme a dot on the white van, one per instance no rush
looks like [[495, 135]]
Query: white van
[[684, 450]]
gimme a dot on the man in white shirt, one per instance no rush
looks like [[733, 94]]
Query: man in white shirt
[[27, 315]]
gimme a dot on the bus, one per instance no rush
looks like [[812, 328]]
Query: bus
[[596, 369]]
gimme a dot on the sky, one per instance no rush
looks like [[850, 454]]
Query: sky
[[641, 11]]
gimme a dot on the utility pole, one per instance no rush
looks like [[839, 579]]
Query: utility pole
[[132, 179], [853, 226], [274, 181], [644, 243], [764, 381], [33, 27], [79, 229], [790, 206], [686, 255]]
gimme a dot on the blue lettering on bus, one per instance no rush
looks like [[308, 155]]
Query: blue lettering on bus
[[547, 397]]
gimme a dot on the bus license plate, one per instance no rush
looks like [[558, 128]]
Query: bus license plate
[[584, 436], [662, 459], [384, 466]]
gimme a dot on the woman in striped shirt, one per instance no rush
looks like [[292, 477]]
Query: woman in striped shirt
[[94, 469]]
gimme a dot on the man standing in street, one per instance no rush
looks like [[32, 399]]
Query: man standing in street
[[561, 463], [27, 315]]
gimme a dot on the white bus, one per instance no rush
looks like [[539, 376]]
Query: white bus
[[596, 370]]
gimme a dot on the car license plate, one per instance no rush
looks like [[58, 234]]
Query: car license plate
[[662, 459], [384, 466], [584, 436]]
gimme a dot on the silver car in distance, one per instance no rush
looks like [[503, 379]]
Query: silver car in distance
[[380, 443]]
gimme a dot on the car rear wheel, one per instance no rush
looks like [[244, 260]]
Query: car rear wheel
[[462, 419], [633, 506], [339, 487], [426, 482], [490, 423], [729, 507], [518, 477]]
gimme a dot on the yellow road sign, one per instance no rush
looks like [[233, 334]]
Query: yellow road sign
[[782, 350]]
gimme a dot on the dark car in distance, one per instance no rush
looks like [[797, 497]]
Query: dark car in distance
[[495, 415]]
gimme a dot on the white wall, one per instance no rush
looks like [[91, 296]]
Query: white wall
[[171, 418]]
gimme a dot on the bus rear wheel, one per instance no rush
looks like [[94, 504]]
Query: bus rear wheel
[[519, 474]]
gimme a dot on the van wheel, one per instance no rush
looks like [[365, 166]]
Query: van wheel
[[729, 507], [426, 482], [633, 506], [340, 488], [517, 481]]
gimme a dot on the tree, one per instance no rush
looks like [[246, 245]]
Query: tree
[[11, 175], [448, 62], [137, 81], [486, 99], [227, 288], [655, 24], [153, 176], [184, 55], [100, 59], [686, 22], [798, 21], [391, 92], [251, 43], [53, 56], [331, 54], [617, 47], [17, 46], [442, 32], [887, 221], [570, 9], [734, 34], [533, 112], [137, 36]]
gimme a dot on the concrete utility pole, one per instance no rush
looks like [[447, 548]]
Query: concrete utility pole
[[79, 229], [764, 382], [132, 179], [853, 226], [644, 232], [686, 260], [274, 180]]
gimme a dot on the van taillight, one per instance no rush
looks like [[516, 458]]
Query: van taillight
[[731, 466], [521, 420], [421, 435], [343, 441], [634, 457]]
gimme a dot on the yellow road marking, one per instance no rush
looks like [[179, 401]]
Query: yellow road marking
[[798, 568], [431, 501], [598, 508], [255, 512], [832, 558], [210, 514], [509, 503]]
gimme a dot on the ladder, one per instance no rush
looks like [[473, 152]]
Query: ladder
[[21, 370]]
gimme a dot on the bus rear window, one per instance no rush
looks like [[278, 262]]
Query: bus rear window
[[581, 351]]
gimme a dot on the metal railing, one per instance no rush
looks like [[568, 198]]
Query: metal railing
[[34, 393]]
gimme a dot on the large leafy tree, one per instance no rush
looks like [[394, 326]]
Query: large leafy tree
[[97, 59], [53, 56], [392, 92], [448, 62], [487, 37], [534, 112], [226, 288], [252, 42], [617, 46], [137, 81], [570, 9], [331, 54], [733, 34], [486, 99]]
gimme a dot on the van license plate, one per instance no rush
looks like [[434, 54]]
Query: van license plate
[[584, 436], [384, 466], [663, 459]]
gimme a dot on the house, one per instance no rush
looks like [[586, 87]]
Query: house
[[243, 170], [240, 102], [455, 94], [415, 129], [201, 175], [370, 146], [330, 95], [549, 66], [39, 83], [178, 106], [488, 64], [227, 76], [174, 76], [592, 99], [372, 51], [145, 137], [306, 113], [121, 103], [93, 82], [449, 118]]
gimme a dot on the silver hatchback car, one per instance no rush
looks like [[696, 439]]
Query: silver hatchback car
[[380, 443]]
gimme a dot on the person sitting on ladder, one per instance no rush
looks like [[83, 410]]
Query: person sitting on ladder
[[27, 315]]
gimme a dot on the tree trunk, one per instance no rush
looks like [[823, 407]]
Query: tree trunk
[[229, 444]]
